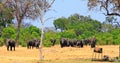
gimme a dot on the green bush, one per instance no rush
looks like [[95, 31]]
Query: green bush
[[1, 41], [23, 44], [69, 34], [46, 43]]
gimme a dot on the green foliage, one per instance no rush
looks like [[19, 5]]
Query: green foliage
[[73, 27], [68, 34], [46, 43], [1, 41], [49, 35], [26, 34], [109, 38], [29, 33], [78, 26], [6, 16], [8, 33], [82, 27], [61, 23]]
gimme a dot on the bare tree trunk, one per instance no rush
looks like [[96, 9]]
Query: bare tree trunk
[[42, 36], [17, 35], [43, 6]]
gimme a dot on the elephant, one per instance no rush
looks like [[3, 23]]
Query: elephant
[[53, 41], [80, 43], [33, 43], [37, 43], [93, 42], [10, 44], [64, 42], [30, 44]]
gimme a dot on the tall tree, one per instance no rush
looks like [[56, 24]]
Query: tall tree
[[61, 23], [78, 23], [112, 7], [42, 7], [6, 17], [21, 9]]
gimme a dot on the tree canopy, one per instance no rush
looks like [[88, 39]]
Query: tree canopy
[[6, 17], [111, 7], [77, 23]]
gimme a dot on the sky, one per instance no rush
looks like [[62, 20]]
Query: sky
[[65, 8]]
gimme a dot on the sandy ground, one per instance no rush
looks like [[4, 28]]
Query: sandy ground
[[24, 55]]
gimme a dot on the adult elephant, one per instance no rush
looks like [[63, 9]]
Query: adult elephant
[[80, 43], [33, 43], [53, 41], [30, 44], [64, 42], [37, 44], [10, 44], [93, 42]]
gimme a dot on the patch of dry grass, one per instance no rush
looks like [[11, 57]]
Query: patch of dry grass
[[54, 54]]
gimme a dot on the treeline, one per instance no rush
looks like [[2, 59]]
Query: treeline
[[26, 34], [74, 27], [81, 27]]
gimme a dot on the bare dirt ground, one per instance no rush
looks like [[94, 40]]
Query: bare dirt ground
[[54, 54]]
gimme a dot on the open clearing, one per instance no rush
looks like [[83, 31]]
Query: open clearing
[[55, 54]]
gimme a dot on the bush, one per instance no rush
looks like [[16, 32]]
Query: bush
[[69, 34], [46, 43], [23, 45], [1, 41]]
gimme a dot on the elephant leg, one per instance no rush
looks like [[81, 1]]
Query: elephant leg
[[14, 48], [53, 44], [62, 46], [37, 46], [27, 46], [30, 47], [7, 47], [11, 48]]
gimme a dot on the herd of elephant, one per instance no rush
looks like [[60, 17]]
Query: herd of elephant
[[64, 42]]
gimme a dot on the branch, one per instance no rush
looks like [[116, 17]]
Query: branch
[[107, 10], [52, 3], [116, 14], [49, 18]]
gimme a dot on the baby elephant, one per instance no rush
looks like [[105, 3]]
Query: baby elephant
[[10, 44]]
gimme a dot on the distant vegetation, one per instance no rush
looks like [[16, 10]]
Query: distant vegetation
[[73, 27], [81, 27]]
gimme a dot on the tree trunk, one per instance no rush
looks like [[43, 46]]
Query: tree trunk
[[42, 36], [17, 35]]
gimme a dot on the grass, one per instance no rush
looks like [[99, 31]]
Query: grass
[[55, 54]]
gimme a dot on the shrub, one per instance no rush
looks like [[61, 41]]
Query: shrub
[[1, 41]]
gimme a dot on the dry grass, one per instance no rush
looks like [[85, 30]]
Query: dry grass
[[54, 54]]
